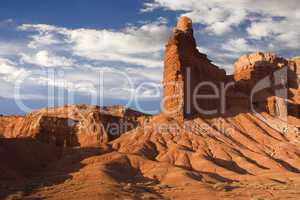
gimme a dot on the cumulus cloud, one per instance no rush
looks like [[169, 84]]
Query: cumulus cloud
[[45, 59], [95, 82], [133, 45], [9, 71], [10, 74], [238, 45], [285, 33], [109, 82], [10, 48], [86, 62], [278, 20]]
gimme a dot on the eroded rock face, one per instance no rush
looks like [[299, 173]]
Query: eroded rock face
[[254, 67], [184, 68], [297, 61], [5, 122], [75, 125], [247, 63], [294, 76], [264, 74], [184, 24], [279, 76], [267, 72], [294, 87]]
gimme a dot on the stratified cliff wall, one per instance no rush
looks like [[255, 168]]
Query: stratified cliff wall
[[184, 68]]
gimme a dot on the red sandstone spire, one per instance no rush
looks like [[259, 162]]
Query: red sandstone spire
[[182, 57], [184, 23]]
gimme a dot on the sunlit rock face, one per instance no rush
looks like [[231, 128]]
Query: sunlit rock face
[[72, 125], [254, 67], [184, 68], [184, 24]]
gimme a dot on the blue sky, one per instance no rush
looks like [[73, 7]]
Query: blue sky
[[77, 13], [93, 47]]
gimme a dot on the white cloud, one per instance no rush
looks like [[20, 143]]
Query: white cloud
[[115, 83], [132, 45], [8, 48], [238, 45], [278, 20], [231, 28], [258, 30], [118, 84], [9, 70], [45, 59], [9, 79], [45, 39], [218, 20], [148, 7], [127, 58], [285, 33]]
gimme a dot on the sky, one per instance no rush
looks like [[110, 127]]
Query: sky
[[111, 52]]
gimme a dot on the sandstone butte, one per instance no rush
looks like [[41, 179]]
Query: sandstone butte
[[73, 152]]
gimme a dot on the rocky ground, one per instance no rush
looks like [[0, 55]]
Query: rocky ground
[[249, 161]]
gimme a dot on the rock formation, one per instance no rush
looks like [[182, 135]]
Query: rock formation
[[184, 68], [189, 74], [268, 72], [223, 144], [77, 125], [5, 121], [257, 66]]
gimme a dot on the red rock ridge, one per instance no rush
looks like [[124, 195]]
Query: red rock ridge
[[75, 125]]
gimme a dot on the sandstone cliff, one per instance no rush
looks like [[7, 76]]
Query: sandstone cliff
[[185, 69], [183, 65], [75, 125]]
